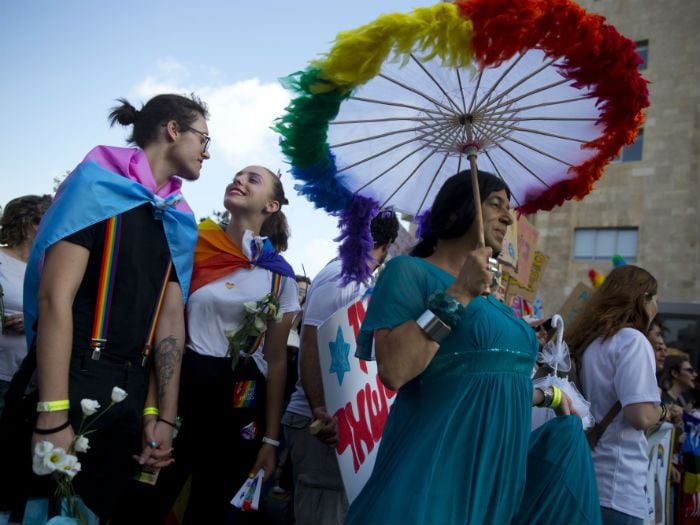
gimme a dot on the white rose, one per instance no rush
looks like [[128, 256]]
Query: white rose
[[81, 444], [89, 406], [39, 467], [118, 395], [69, 466], [54, 460], [42, 448], [251, 307], [260, 325]]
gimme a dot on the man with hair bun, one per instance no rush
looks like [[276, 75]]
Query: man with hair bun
[[104, 297], [319, 496]]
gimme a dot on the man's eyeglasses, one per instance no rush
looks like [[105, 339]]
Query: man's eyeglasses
[[207, 138]]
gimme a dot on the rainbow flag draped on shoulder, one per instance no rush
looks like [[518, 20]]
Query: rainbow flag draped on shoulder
[[216, 255], [108, 182]]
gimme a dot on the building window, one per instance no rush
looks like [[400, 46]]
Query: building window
[[643, 52], [603, 243], [633, 152]]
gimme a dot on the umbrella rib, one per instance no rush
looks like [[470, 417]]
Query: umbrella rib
[[522, 119], [390, 168], [410, 176], [461, 90], [413, 90], [498, 173], [430, 187], [490, 102], [405, 181], [455, 106], [389, 119], [496, 84], [476, 89], [397, 104], [541, 132], [489, 107], [382, 135], [537, 150], [523, 165], [533, 106], [389, 149]]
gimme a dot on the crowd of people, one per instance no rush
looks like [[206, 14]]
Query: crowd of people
[[113, 284]]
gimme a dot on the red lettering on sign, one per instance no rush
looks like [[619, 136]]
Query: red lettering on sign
[[366, 429]]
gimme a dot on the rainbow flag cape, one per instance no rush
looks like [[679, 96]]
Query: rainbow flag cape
[[216, 255]]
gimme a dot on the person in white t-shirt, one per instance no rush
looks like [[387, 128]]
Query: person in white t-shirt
[[617, 365], [319, 496], [231, 395], [18, 226]]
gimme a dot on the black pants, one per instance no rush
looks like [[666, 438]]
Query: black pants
[[219, 439], [107, 466]]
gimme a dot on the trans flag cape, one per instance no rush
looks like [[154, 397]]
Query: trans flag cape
[[110, 181], [216, 255]]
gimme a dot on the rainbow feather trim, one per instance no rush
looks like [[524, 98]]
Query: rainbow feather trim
[[468, 33]]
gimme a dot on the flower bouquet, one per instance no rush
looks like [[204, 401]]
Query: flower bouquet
[[249, 334], [64, 465]]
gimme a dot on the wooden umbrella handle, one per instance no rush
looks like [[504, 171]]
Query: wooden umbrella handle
[[477, 200]]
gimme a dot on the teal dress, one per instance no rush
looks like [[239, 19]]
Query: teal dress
[[457, 446]]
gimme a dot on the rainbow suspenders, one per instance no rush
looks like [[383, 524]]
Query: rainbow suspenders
[[105, 287]]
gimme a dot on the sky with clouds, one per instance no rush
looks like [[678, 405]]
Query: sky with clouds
[[64, 64]]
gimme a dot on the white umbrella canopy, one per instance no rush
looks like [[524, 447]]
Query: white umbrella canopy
[[542, 93]]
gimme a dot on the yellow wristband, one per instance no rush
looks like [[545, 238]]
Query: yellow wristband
[[53, 406], [556, 398], [151, 411]]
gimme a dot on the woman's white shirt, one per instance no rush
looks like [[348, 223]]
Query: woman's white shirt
[[621, 368], [217, 307]]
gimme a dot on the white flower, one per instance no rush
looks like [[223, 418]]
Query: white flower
[[251, 307], [118, 395], [260, 325], [42, 448], [89, 406], [81, 444], [278, 317], [69, 466], [39, 467], [54, 459]]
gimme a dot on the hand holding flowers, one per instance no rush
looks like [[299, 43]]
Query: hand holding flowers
[[63, 464]]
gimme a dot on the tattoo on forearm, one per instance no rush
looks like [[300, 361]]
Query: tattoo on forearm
[[167, 357]]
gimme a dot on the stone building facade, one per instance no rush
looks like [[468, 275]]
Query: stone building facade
[[657, 196]]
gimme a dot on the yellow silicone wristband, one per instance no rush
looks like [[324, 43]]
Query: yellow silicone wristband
[[151, 411], [556, 398], [53, 406]]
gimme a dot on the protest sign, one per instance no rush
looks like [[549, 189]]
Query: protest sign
[[354, 395]]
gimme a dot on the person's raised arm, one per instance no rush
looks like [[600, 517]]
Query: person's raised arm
[[63, 271], [405, 351]]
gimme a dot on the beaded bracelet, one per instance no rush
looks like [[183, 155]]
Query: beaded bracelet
[[446, 307]]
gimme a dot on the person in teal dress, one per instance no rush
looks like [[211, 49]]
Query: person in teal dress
[[457, 447]]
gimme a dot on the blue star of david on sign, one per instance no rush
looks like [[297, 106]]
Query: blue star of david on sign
[[339, 356]]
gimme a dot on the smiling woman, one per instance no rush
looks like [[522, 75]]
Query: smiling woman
[[461, 362], [244, 298]]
